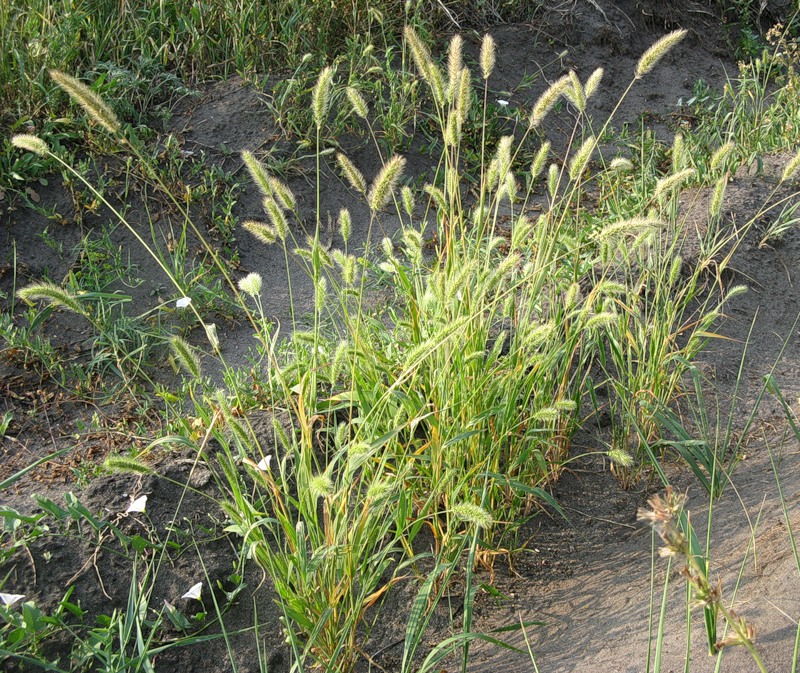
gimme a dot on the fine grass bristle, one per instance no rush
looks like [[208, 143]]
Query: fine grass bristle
[[488, 55], [52, 293], [185, 355], [719, 157], [430, 72], [593, 83], [354, 176], [385, 183], [89, 100], [31, 143], [321, 96], [345, 224], [655, 53], [473, 514], [574, 92], [258, 172], [667, 184]]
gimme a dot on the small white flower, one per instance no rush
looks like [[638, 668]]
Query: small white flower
[[183, 302], [137, 505], [194, 592], [502, 102], [10, 599], [263, 464]]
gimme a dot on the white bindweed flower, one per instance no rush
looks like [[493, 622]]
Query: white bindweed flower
[[194, 592], [263, 464], [8, 600], [502, 102], [137, 505], [183, 302]]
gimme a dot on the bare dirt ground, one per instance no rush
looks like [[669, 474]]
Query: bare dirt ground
[[588, 583]]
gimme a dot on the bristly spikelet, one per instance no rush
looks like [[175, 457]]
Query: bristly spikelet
[[437, 195], [667, 184], [408, 200], [358, 102], [452, 130], [281, 193], [354, 176], [30, 143], [119, 463], [347, 264], [630, 227], [89, 100], [473, 514], [620, 457], [320, 291], [655, 53], [385, 183], [276, 217], [791, 167], [719, 157], [345, 224], [678, 153], [263, 232], [488, 55], [547, 100], [593, 83], [539, 160], [454, 65], [675, 270], [321, 96], [581, 158], [257, 172], [574, 92], [52, 293], [715, 207], [185, 355], [503, 156]]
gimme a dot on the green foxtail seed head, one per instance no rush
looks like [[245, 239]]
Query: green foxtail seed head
[[185, 355], [454, 65], [463, 97], [276, 217], [655, 53], [251, 284], [718, 196], [539, 160], [320, 485], [52, 293], [89, 100], [345, 224], [212, 336], [263, 232], [257, 172], [320, 290], [581, 158], [118, 463], [282, 194], [791, 167], [428, 69], [358, 102], [678, 153], [488, 55], [593, 83], [620, 457], [30, 143], [347, 265], [385, 183], [354, 176], [547, 100], [408, 199], [553, 177], [473, 514], [574, 92], [671, 182], [720, 156], [621, 165], [321, 96]]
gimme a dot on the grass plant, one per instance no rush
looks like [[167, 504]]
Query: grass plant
[[408, 439]]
